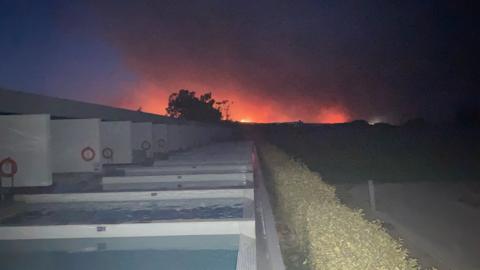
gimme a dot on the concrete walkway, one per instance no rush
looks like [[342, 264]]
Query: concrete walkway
[[439, 222]]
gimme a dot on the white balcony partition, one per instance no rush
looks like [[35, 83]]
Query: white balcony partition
[[173, 138], [160, 144], [116, 142], [25, 148], [76, 145], [142, 141]]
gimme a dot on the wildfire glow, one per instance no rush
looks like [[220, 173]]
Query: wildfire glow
[[149, 97], [333, 115]]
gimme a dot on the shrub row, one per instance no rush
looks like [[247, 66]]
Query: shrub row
[[332, 235]]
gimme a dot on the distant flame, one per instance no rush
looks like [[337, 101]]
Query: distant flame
[[332, 115], [151, 97]]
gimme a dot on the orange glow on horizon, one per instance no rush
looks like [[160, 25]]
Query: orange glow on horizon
[[333, 115], [153, 99]]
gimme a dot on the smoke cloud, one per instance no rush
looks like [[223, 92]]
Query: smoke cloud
[[316, 61]]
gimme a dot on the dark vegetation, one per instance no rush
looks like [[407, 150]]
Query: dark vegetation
[[357, 151], [186, 105]]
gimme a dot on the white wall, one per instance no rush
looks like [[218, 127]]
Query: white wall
[[117, 135], [173, 137], [26, 139], [203, 135], [184, 136], [142, 137], [194, 138], [189, 136], [69, 139], [160, 144]]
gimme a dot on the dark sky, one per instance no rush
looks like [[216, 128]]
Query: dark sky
[[318, 61]]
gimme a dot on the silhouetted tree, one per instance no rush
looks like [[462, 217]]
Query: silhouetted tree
[[224, 107], [186, 105]]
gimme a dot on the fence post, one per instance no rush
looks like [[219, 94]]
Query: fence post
[[371, 193]]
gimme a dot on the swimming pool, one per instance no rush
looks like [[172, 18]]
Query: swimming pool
[[184, 220], [59, 230], [125, 212], [166, 252]]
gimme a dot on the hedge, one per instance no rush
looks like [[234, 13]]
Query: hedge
[[332, 235]]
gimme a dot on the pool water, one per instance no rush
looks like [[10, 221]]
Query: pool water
[[35, 254], [118, 260], [125, 212]]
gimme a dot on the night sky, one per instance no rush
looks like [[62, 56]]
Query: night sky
[[315, 61]]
